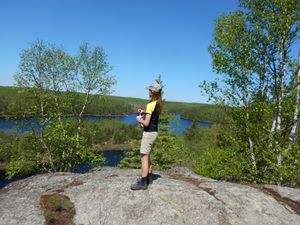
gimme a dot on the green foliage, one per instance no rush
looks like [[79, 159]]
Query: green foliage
[[50, 80], [7, 145], [22, 164], [197, 139], [108, 105], [131, 160], [165, 118], [169, 151], [65, 149], [61, 150], [22, 157], [24, 154], [195, 111], [165, 121], [291, 168], [225, 164], [112, 131]]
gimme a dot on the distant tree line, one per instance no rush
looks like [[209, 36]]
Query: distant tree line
[[202, 112], [14, 97]]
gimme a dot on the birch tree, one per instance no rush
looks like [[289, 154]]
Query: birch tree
[[293, 136], [233, 57], [60, 87], [92, 76], [279, 22], [252, 51]]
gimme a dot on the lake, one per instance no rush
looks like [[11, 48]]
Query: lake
[[112, 157], [12, 125]]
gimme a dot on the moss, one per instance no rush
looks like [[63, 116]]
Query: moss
[[57, 209]]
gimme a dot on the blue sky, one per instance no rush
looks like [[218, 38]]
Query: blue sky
[[142, 38]]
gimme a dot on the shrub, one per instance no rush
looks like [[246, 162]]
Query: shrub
[[168, 151], [224, 164]]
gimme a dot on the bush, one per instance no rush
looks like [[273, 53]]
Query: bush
[[98, 132], [61, 150], [168, 151], [7, 146], [198, 138], [224, 164], [291, 168], [21, 165], [132, 159]]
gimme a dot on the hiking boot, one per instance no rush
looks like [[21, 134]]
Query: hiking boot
[[141, 184], [150, 178]]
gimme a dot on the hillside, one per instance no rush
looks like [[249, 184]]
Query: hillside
[[10, 97]]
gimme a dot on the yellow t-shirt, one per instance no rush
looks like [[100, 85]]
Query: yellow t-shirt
[[152, 109]]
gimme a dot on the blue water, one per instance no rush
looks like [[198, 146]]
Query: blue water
[[113, 158], [22, 126], [18, 126], [179, 124]]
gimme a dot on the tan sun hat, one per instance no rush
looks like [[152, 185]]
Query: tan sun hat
[[156, 87]]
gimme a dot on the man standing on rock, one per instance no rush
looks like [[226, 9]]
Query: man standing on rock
[[150, 124]]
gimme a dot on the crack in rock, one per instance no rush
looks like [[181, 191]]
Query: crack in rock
[[197, 183], [294, 205]]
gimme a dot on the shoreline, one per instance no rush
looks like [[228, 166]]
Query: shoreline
[[10, 117]]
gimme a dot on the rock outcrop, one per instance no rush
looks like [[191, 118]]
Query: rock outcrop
[[176, 197]]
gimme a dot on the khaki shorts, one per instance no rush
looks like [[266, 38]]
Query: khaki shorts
[[147, 142]]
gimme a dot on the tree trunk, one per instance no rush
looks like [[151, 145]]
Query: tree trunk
[[45, 146], [250, 142], [282, 77], [293, 136], [81, 113], [277, 116]]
